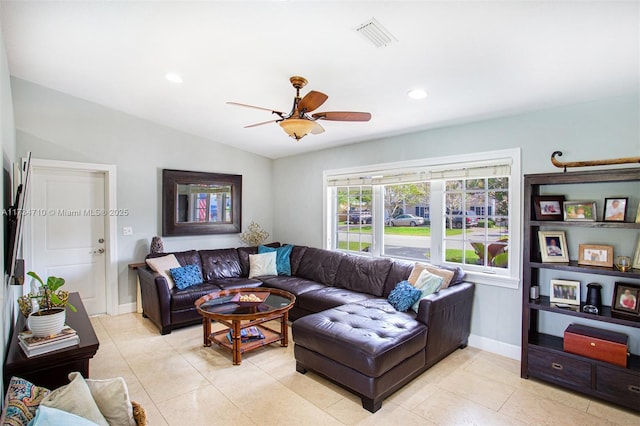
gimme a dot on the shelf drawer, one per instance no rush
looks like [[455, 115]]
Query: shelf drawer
[[558, 368], [623, 385]]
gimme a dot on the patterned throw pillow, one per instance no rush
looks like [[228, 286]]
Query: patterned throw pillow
[[283, 257], [403, 296], [21, 402], [186, 276], [427, 283]]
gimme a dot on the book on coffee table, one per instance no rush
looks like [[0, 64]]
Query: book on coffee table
[[247, 334]]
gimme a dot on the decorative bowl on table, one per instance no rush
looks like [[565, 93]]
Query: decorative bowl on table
[[250, 299]]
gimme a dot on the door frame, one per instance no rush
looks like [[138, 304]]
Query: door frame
[[111, 249]]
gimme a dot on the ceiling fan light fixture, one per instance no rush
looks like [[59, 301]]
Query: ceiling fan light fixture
[[297, 128]]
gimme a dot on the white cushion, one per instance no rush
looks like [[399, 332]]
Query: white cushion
[[262, 264], [162, 265], [446, 274], [427, 283], [112, 398], [47, 416], [75, 398]]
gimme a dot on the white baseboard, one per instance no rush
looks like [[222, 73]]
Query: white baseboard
[[126, 308], [495, 346]]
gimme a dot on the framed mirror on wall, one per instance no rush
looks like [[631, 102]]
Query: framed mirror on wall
[[200, 203]]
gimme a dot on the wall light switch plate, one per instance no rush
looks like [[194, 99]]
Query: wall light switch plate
[[127, 230]]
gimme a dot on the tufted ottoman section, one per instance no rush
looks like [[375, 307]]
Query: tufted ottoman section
[[371, 338]]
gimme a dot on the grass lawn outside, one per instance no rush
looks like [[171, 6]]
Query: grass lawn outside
[[417, 231]]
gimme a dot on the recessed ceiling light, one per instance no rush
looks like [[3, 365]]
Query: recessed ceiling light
[[417, 94], [173, 77]]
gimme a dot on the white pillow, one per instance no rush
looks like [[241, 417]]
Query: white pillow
[[262, 264], [427, 283], [162, 265], [75, 398], [112, 398]]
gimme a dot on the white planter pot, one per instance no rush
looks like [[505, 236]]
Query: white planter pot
[[47, 325]]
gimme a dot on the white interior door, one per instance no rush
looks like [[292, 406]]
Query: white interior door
[[68, 231]]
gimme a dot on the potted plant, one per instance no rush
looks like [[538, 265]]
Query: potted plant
[[50, 317]]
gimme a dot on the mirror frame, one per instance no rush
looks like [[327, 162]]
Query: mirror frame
[[170, 181]]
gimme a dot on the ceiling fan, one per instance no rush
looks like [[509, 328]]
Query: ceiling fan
[[300, 121]]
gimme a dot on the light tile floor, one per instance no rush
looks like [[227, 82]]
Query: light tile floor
[[180, 382]]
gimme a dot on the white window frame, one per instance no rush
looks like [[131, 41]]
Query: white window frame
[[487, 276]]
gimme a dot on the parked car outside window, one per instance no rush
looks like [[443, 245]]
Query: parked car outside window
[[406, 220], [456, 217]]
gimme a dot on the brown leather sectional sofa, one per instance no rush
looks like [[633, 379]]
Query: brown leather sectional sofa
[[343, 327]]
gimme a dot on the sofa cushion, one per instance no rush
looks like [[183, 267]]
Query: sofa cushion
[[446, 274], [262, 264], [427, 283], [186, 276], [370, 336], [329, 297], [403, 296], [243, 255], [21, 402], [75, 398], [112, 398], [363, 274], [399, 271], [229, 283], [47, 416], [294, 285], [320, 265], [220, 263], [283, 258], [185, 299], [296, 257], [162, 265]]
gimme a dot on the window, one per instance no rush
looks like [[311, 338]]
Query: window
[[457, 210]]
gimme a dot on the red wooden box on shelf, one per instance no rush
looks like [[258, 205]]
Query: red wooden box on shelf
[[603, 345]]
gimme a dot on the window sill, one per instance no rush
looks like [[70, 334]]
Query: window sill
[[493, 279]]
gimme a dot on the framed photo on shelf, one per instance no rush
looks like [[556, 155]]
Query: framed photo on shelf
[[553, 246], [548, 207], [626, 299], [615, 209], [595, 255], [564, 291], [635, 264], [638, 213], [579, 210]]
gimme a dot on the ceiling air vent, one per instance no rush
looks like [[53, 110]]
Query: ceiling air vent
[[373, 31]]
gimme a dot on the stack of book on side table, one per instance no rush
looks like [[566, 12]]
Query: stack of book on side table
[[32, 345], [247, 334]]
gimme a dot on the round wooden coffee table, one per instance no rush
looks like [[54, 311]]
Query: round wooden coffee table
[[229, 307]]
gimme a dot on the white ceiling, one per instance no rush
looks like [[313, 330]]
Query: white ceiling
[[476, 60]]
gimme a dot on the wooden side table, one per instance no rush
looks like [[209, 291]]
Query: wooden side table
[[51, 370], [135, 267]]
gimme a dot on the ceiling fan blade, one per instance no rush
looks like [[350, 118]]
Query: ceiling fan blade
[[311, 101], [260, 124], [255, 107], [343, 116], [317, 129]]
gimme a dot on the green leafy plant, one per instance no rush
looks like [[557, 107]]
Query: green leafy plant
[[49, 297]]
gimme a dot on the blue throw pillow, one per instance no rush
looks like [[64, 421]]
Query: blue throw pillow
[[186, 276], [403, 296], [283, 257]]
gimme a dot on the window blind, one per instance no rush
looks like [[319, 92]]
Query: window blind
[[484, 169]]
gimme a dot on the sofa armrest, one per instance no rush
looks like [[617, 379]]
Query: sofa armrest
[[156, 298], [447, 314]]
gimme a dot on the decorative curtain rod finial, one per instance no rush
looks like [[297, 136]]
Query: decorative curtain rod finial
[[624, 160]]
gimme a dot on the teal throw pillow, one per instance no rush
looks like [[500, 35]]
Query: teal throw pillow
[[427, 283], [283, 257], [48, 416], [186, 276], [403, 296]]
